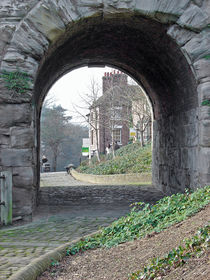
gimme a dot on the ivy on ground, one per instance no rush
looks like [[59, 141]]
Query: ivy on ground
[[159, 267], [131, 158], [138, 223]]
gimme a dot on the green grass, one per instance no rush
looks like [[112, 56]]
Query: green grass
[[131, 158], [138, 223], [192, 247]]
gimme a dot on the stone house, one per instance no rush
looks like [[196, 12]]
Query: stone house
[[114, 113]]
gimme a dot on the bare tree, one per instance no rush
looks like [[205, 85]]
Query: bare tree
[[141, 111], [91, 101]]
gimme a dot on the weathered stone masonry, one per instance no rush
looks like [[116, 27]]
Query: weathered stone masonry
[[164, 45]]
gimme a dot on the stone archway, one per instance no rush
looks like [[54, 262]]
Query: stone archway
[[164, 45]]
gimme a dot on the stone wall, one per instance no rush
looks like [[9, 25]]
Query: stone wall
[[164, 45], [141, 178], [94, 195]]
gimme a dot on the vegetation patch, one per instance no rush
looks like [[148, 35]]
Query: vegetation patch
[[131, 158], [206, 103], [139, 223], [17, 81], [207, 56], [192, 247]]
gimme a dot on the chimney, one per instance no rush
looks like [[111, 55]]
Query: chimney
[[113, 79]]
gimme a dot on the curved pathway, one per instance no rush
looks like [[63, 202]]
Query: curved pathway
[[62, 179]]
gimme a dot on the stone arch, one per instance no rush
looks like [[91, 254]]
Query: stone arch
[[164, 45]]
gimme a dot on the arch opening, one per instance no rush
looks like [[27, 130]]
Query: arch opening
[[141, 48]]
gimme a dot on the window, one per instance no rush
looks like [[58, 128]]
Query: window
[[116, 113], [117, 135]]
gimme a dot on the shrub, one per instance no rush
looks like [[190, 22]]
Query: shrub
[[129, 159]]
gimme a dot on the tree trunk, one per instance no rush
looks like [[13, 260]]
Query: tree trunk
[[97, 147], [113, 144], [54, 161], [142, 138]]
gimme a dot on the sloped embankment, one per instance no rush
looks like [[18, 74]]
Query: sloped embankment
[[160, 228]]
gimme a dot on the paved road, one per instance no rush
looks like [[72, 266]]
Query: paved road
[[61, 179]]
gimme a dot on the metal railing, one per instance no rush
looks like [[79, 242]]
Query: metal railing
[[6, 197]]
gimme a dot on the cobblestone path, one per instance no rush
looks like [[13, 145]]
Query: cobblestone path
[[52, 226], [20, 245]]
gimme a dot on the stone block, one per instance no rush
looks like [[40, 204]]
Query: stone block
[[4, 137], [204, 134], [14, 59], [46, 19], [198, 46], [15, 114], [6, 31], [68, 11], [16, 157], [29, 40], [204, 113], [204, 92], [147, 7], [22, 137], [176, 7], [206, 6], [180, 35], [179, 179], [204, 179], [165, 7], [202, 68], [15, 9], [23, 177], [198, 2], [164, 178], [188, 117], [22, 201], [174, 157], [204, 161], [110, 6], [189, 158], [189, 135], [194, 18]]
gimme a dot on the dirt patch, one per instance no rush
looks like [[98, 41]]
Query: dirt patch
[[196, 268], [119, 262]]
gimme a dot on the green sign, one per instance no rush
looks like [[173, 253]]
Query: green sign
[[85, 149]]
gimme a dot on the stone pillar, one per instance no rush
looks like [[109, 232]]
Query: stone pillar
[[17, 153]]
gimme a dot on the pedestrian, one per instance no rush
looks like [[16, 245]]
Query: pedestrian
[[44, 159], [116, 146], [108, 149]]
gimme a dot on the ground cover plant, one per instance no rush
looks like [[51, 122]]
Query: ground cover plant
[[144, 219], [17, 81], [192, 247], [131, 158]]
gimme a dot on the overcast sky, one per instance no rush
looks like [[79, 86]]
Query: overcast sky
[[68, 89]]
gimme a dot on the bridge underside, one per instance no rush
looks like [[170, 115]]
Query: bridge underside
[[161, 50]]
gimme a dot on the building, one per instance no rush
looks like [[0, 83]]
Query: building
[[113, 115]]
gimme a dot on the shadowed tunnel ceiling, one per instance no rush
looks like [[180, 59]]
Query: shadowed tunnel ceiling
[[137, 45]]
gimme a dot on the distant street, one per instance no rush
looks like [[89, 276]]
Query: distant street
[[59, 179]]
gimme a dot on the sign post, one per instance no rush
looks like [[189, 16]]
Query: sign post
[[85, 147]]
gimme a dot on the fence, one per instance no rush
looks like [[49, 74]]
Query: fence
[[6, 197]]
